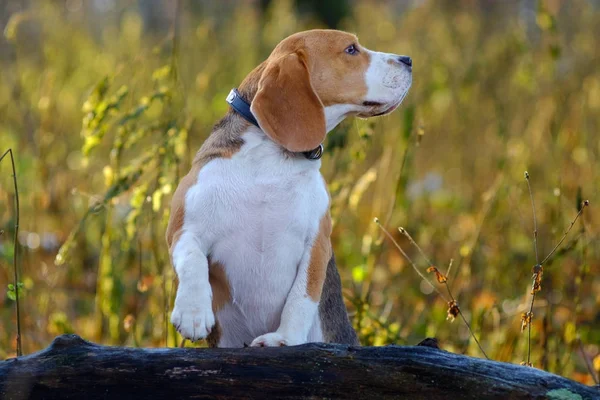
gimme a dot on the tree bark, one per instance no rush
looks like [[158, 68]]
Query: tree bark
[[72, 368]]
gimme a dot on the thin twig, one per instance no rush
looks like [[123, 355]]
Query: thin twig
[[16, 250], [175, 31], [449, 266], [140, 287], [409, 259], [467, 324], [584, 205], [537, 267], [587, 362], [445, 282], [535, 231], [577, 300], [411, 240]]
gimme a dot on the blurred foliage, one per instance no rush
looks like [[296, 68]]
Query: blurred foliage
[[499, 88]]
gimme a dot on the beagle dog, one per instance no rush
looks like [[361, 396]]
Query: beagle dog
[[249, 230]]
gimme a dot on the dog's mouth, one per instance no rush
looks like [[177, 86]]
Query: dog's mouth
[[372, 104], [387, 110], [376, 108]]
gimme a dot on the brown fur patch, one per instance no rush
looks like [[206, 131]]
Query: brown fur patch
[[219, 284], [221, 296], [286, 105], [178, 206], [319, 257], [302, 66], [336, 76]]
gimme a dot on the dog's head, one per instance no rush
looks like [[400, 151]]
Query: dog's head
[[313, 80]]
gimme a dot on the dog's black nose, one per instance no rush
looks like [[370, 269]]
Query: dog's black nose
[[406, 60]]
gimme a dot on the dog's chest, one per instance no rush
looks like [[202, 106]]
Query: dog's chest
[[264, 215], [260, 216]]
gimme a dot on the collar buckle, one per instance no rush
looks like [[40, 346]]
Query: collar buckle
[[237, 102], [314, 154]]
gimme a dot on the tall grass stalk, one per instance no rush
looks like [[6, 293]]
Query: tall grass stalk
[[538, 269], [452, 304], [176, 81], [537, 273], [444, 280], [16, 251]]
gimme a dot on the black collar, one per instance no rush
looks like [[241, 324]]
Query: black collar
[[237, 102]]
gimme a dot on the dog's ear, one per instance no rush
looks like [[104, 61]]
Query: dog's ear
[[286, 105]]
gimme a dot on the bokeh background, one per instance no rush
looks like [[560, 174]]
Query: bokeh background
[[105, 102]]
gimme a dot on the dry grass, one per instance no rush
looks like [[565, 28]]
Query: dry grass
[[498, 89]]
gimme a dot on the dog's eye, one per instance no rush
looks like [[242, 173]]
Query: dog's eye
[[351, 50]]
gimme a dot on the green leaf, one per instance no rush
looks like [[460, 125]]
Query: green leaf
[[12, 294], [161, 73]]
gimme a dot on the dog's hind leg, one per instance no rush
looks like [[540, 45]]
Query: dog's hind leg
[[335, 323]]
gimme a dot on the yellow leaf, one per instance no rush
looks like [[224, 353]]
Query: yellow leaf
[[108, 175], [361, 187], [166, 189], [465, 250], [597, 363], [156, 200], [570, 332], [358, 273]]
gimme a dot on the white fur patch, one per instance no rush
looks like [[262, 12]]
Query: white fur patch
[[387, 79], [257, 214], [337, 113], [192, 316]]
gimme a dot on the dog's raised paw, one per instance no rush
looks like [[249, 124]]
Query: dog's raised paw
[[193, 321], [193, 324]]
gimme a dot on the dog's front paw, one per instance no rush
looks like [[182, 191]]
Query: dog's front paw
[[274, 339], [193, 316]]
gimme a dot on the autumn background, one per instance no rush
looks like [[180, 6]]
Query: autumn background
[[105, 102]]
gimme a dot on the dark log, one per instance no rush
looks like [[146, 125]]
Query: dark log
[[72, 368]]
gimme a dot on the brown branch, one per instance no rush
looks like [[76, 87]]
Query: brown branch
[[76, 369]]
